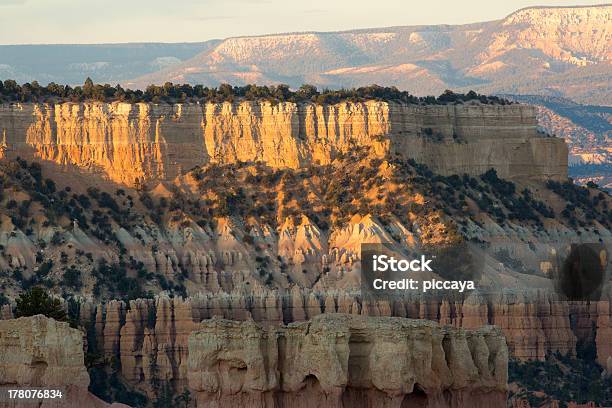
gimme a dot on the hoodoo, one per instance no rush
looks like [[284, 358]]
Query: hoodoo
[[347, 361]]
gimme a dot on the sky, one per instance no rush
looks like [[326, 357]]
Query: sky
[[118, 21]]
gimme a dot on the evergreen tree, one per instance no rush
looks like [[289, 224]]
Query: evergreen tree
[[88, 88], [36, 301]]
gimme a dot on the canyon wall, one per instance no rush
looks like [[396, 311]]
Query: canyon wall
[[123, 142], [150, 337], [333, 360], [38, 352], [338, 360], [171, 340]]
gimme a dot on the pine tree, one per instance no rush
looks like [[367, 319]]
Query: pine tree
[[88, 88], [36, 301]]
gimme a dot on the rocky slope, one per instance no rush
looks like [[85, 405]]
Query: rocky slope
[[40, 352], [559, 51], [126, 143], [222, 227]]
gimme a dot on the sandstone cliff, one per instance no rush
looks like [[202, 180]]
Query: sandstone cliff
[[333, 360], [125, 142], [341, 360], [150, 337], [275, 266], [41, 352]]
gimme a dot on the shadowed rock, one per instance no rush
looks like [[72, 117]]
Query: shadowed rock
[[338, 360]]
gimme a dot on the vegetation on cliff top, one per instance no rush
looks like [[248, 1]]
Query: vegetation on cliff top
[[36, 301], [11, 91]]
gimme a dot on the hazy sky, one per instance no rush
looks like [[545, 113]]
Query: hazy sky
[[97, 21]]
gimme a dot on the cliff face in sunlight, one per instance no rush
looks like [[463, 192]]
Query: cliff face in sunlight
[[121, 142], [124, 142]]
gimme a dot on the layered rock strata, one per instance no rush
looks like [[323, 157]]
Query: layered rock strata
[[128, 142], [38, 352], [150, 337], [339, 360], [153, 340]]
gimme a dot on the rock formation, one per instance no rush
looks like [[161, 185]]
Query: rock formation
[[153, 341], [227, 362], [272, 269], [603, 318], [339, 360], [128, 142], [41, 352]]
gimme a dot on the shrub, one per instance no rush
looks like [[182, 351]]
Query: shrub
[[171, 93], [36, 301], [72, 278]]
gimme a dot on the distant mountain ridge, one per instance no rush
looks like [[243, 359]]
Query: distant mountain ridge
[[551, 51], [555, 51], [104, 63]]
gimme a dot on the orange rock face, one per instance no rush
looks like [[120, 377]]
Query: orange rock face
[[125, 142]]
